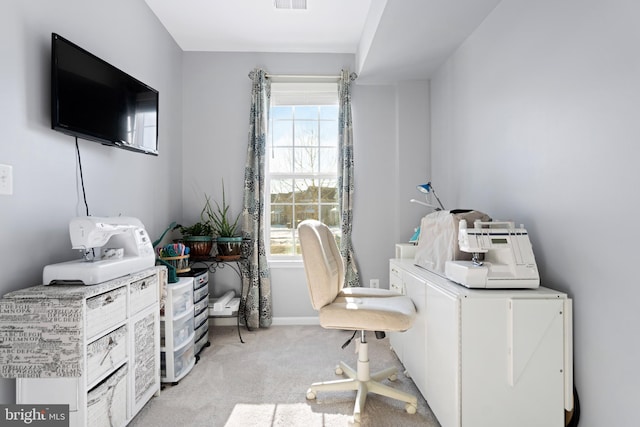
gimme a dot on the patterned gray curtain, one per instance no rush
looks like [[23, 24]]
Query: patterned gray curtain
[[345, 178], [255, 303]]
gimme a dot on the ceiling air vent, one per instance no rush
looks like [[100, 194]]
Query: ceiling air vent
[[290, 4]]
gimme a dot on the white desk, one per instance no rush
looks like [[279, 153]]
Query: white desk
[[498, 358]]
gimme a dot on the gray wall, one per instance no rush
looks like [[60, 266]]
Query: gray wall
[[391, 151], [535, 119], [34, 220]]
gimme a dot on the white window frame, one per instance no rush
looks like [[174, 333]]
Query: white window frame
[[295, 94]]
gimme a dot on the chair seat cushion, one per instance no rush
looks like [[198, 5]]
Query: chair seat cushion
[[377, 313], [367, 292]]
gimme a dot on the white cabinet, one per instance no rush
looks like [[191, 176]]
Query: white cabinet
[[410, 346], [486, 357], [95, 348], [177, 333]]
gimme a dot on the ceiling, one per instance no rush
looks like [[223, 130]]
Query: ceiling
[[393, 40]]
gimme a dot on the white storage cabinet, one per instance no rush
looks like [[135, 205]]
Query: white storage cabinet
[[177, 331], [497, 358], [95, 348]]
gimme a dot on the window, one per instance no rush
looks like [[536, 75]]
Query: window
[[302, 163]]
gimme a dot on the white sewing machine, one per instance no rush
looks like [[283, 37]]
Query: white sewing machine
[[129, 250], [508, 262]]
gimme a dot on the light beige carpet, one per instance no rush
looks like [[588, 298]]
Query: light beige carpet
[[263, 382]]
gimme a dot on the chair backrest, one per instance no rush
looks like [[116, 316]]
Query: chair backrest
[[322, 262]]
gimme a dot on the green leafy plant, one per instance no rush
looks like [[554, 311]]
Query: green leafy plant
[[200, 228], [197, 229], [220, 218]]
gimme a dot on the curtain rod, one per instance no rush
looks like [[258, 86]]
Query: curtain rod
[[352, 76], [300, 76]]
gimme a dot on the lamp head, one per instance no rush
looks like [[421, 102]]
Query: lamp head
[[425, 188]]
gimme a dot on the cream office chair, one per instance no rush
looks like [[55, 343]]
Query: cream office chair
[[357, 309]]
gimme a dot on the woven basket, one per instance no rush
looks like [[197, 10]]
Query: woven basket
[[180, 263]]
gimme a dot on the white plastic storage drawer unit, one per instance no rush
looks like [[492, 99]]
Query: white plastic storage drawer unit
[[177, 329], [200, 307]]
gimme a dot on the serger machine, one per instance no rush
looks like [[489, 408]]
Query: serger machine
[[508, 262], [111, 247]]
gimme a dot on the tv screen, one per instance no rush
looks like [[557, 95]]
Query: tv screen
[[94, 100]]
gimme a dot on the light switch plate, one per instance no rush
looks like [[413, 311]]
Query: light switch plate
[[6, 180]]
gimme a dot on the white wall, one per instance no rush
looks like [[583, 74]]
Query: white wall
[[34, 220], [391, 149], [216, 114], [535, 119]]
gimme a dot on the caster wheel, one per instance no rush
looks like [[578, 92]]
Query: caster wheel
[[311, 395], [393, 377], [410, 408], [339, 370]]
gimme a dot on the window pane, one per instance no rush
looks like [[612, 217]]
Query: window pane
[[329, 191], [282, 133], [306, 191], [281, 241], [330, 215], [328, 160], [281, 216], [281, 190], [306, 133], [281, 160], [306, 160], [329, 133], [281, 113], [306, 112], [298, 250], [304, 211], [329, 112]]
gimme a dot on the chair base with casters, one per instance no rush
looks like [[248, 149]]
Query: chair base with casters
[[355, 309], [363, 382]]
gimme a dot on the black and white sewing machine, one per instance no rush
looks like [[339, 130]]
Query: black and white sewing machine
[[508, 257], [111, 247]]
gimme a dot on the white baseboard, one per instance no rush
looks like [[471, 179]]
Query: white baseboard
[[296, 321], [277, 321]]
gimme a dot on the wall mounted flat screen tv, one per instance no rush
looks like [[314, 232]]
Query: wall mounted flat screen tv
[[93, 100]]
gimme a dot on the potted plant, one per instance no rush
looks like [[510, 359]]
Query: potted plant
[[199, 236], [225, 228]]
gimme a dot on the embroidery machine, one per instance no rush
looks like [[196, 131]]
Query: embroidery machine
[[129, 250], [508, 257]]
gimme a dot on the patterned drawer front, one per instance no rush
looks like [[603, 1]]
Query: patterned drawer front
[[145, 355], [105, 353], [106, 310], [107, 402], [143, 293]]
